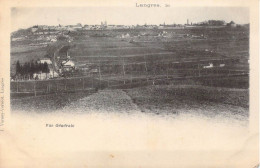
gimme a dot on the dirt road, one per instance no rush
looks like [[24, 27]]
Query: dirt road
[[104, 101]]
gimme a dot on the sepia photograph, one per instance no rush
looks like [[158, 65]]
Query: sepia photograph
[[167, 65], [138, 85]]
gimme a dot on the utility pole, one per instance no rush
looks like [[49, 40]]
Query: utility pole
[[164, 60], [65, 85], [131, 74], [153, 75], [146, 68], [57, 87], [74, 81], [53, 65], [167, 71], [124, 69], [92, 80], [17, 86], [34, 87], [199, 68], [99, 73], [83, 81], [49, 88]]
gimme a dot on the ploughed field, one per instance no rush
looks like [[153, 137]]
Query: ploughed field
[[172, 99], [176, 99]]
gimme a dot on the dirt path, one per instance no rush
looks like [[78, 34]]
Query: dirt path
[[104, 101]]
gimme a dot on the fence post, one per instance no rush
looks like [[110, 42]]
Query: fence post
[[199, 69], [153, 76], [99, 77], [49, 88], [17, 86], [92, 83], [146, 68], [74, 85], [124, 70], [131, 74], [65, 85], [167, 71], [83, 83], [34, 87], [57, 87]]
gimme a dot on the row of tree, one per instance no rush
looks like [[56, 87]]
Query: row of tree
[[27, 70]]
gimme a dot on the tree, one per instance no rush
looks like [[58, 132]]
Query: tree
[[36, 67], [18, 68], [32, 69], [26, 69], [45, 69]]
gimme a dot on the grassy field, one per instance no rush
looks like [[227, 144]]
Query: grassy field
[[47, 103], [106, 49], [130, 79], [172, 99], [95, 46], [200, 100]]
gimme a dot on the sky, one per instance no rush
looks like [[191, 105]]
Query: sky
[[27, 17]]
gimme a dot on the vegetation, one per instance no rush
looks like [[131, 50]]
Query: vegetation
[[200, 100], [27, 70]]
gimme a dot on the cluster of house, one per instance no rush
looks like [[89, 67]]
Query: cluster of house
[[211, 65], [55, 68], [59, 30], [51, 74], [21, 38], [211, 23], [127, 35], [45, 38], [50, 38], [104, 25]]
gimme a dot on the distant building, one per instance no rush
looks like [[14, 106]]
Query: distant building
[[43, 60], [127, 35], [17, 38], [34, 28], [232, 24], [74, 27], [44, 76], [211, 23], [209, 66], [216, 22], [68, 65], [87, 27], [53, 40]]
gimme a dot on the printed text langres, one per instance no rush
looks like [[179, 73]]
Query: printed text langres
[[147, 5]]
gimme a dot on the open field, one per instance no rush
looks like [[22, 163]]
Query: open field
[[89, 46], [154, 74], [130, 79], [47, 103], [208, 101], [219, 46], [173, 99]]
